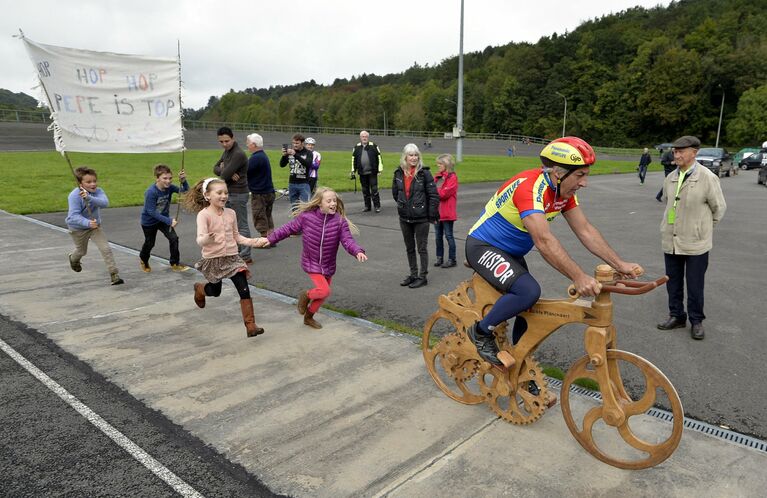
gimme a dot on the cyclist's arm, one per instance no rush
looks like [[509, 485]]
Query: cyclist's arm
[[554, 254], [593, 240]]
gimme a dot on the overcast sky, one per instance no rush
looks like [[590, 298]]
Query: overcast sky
[[240, 44]]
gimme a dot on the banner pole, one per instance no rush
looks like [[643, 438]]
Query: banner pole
[[183, 145]]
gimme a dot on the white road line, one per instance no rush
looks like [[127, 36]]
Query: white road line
[[132, 448], [49, 248]]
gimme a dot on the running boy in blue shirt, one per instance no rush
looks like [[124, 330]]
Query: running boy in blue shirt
[[84, 222], [156, 216]]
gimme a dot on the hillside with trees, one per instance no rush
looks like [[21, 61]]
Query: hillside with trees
[[19, 101], [633, 78]]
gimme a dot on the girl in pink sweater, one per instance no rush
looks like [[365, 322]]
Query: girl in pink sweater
[[218, 237]]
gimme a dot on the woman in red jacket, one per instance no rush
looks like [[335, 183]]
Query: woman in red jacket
[[447, 187]]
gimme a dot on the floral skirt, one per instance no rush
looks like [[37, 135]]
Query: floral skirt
[[216, 269]]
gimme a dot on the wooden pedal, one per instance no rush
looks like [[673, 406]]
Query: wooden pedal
[[506, 358], [551, 399]]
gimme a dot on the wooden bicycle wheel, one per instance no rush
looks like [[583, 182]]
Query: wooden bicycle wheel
[[452, 362], [645, 453]]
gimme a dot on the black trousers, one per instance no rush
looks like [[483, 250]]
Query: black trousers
[[666, 172], [690, 269], [369, 184], [150, 235], [240, 282], [416, 235]]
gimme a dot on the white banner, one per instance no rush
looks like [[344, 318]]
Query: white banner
[[105, 102]]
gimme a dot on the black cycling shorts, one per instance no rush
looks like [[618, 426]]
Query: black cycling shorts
[[498, 267]]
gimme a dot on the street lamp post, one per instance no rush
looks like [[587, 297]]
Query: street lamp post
[[721, 112], [384, 122], [564, 117], [459, 105]]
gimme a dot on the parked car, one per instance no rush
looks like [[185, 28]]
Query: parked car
[[754, 161], [718, 160], [744, 153]]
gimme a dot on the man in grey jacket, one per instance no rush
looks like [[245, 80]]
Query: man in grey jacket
[[233, 169], [694, 205]]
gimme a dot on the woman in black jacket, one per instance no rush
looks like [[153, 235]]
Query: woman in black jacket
[[417, 200]]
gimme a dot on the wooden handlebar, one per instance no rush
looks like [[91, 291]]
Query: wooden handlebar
[[632, 287], [628, 287]]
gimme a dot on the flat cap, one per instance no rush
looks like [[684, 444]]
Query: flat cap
[[686, 141]]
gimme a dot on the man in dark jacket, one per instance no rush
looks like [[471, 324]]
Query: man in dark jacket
[[667, 160], [415, 193], [260, 185], [644, 162], [300, 160], [233, 169], [367, 163]]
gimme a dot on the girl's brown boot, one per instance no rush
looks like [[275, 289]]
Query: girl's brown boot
[[310, 321]]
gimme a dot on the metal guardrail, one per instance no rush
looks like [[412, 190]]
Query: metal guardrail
[[9, 115], [333, 130], [25, 116]]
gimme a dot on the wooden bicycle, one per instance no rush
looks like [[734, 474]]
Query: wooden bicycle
[[460, 373]]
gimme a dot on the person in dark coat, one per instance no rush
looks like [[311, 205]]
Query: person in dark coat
[[667, 160], [415, 193], [367, 163], [644, 162]]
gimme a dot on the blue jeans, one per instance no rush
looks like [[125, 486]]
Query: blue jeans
[[445, 227], [239, 203], [298, 192], [642, 173]]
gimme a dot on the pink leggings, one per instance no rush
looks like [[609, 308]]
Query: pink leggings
[[320, 292]]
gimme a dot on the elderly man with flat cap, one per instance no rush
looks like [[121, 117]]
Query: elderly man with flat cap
[[694, 205]]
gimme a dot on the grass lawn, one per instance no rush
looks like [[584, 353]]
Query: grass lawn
[[42, 180]]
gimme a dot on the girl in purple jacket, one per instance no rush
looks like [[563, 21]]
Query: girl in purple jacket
[[324, 226]]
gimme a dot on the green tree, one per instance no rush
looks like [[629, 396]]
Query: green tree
[[749, 126]]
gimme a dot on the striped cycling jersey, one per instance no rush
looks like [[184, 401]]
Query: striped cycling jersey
[[529, 192]]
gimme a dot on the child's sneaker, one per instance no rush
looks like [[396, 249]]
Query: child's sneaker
[[75, 265], [144, 266], [179, 267], [116, 280]]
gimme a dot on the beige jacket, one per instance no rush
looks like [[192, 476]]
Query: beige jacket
[[701, 206]]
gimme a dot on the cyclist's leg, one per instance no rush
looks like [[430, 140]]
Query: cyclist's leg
[[524, 293], [502, 271]]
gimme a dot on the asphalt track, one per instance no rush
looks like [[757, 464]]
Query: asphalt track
[[49, 449], [718, 379]]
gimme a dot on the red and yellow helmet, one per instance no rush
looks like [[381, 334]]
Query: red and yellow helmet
[[568, 152]]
